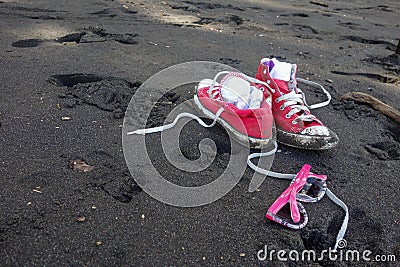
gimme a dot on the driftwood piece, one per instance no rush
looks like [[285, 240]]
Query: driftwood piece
[[376, 104], [319, 3]]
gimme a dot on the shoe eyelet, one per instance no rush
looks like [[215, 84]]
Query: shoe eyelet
[[287, 116], [268, 81], [281, 108], [276, 100]]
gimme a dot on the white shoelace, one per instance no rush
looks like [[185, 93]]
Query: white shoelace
[[297, 101], [278, 175], [182, 115]]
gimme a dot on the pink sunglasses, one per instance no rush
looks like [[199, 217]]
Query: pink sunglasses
[[306, 187]]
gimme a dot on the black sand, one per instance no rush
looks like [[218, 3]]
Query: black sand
[[85, 59]]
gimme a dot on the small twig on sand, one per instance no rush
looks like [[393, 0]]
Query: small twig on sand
[[318, 3], [376, 104]]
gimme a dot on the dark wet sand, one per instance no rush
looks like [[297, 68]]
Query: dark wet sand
[[85, 59]]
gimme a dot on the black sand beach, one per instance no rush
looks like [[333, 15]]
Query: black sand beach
[[68, 71]]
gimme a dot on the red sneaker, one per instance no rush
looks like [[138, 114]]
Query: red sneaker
[[295, 125], [239, 104]]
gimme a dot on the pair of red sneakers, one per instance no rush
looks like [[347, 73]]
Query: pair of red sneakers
[[248, 107]]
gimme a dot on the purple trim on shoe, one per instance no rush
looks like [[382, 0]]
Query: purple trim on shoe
[[270, 65]]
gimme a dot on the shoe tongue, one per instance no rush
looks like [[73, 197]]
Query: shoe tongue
[[234, 87], [236, 90], [236, 84], [283, 86]]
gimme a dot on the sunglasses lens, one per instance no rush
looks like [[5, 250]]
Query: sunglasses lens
[[283, 217], [313, 190]]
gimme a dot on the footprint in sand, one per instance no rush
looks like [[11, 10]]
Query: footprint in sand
[[90, 35], [111, 178], [106, 93]]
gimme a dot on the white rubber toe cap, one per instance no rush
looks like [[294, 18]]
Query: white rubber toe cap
[[316, 130]]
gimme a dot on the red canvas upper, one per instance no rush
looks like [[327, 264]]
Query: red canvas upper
[[281, 88], [255, 123]]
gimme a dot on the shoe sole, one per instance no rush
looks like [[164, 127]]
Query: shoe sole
[[306, 141], [240, 137]]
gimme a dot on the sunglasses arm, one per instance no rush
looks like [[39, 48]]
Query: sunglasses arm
[[297, 185], [294, 209]]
